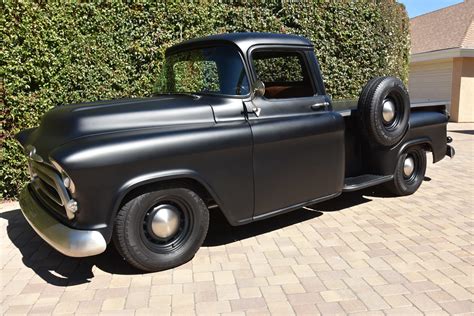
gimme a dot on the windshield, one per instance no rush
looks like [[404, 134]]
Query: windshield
[[215, 70]]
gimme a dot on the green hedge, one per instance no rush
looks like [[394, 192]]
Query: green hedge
[[54, 53]]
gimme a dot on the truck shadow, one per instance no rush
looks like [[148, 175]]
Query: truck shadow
[[59, 270], [221, 232], [468, 132]]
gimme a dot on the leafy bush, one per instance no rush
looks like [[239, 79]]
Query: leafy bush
[[54, 53]]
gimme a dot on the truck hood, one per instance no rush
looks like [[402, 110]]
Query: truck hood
[[68, 122]]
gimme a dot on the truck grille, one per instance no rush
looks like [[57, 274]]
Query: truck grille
[[48, 185]]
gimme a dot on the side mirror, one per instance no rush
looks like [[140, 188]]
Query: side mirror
[[258, 89]]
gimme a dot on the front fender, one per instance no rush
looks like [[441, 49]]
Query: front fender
[[105, 168], [160, 176]]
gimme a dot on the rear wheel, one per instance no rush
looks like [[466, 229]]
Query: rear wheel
[[161, 229], [409, 173]]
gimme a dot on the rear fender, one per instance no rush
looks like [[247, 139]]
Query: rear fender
[[432, 127], [427, 129], [424, 142]]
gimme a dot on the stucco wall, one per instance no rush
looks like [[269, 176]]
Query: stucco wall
[[462, 108]]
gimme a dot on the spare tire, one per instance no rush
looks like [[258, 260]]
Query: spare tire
[[384, 110]]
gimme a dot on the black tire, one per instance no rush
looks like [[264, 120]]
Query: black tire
[[403, 184], [137, 242], [374, 95]]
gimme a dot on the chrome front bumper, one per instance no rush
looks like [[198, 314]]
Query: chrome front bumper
[[68, 241]]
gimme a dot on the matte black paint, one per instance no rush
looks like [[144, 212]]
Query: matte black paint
[[253, 167], [290, 158]]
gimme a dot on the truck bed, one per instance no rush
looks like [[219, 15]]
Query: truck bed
[[344, 107], [349, 106], [357, 156]]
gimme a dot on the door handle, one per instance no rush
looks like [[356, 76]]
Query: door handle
[[256, 110], [318, 106], [251, 108]]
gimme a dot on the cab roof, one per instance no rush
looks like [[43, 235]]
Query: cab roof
[[242, 40]]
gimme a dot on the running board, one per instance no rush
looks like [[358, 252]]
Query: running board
[[364, 181]]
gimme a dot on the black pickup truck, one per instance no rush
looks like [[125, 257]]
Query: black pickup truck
[[239, 123]]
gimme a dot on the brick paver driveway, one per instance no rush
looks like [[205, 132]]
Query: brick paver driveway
[[360, 253]]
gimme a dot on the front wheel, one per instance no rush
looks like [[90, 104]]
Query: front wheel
[[409, 173], [161, 229]]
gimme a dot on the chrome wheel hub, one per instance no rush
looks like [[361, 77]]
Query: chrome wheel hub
[[165, 221], [408, 166], [388, 110]]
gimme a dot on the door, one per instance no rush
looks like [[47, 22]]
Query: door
[[431, 82], [298, 153]]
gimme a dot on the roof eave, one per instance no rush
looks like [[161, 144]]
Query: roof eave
[[457, 52]]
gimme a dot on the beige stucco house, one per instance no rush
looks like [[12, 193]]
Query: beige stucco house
[[442, 59]]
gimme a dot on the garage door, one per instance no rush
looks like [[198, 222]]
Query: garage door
[[431, 81]]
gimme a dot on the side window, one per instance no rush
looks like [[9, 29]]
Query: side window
[[196, 75], [284, 74]]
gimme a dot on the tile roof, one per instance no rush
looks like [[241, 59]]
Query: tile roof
[[450, 27]]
